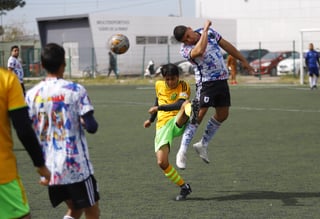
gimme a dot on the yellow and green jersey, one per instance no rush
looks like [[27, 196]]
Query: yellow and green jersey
[[11, 98], [167, 96]]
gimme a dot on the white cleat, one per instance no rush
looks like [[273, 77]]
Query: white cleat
[[202, 151], [181, 160]]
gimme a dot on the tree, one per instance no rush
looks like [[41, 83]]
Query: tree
[[13, 32], [7, 5]]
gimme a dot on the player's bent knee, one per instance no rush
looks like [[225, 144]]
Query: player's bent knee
[[163, 164]]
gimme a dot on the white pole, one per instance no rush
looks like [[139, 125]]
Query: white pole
[[301, 58], [180, 8], [301, 50]]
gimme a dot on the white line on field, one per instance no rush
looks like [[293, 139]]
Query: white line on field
[[130, 103], [274, 109]]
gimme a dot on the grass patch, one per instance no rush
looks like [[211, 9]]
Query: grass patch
[[264, 159]]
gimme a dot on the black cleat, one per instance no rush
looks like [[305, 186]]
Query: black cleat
[[185, 190]]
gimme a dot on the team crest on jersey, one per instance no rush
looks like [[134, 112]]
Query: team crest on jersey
[[173, 96], [206, 99]]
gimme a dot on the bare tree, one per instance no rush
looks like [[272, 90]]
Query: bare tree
[[13, 33]]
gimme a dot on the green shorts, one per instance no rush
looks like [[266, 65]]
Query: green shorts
[[13, 200], [166, 133]]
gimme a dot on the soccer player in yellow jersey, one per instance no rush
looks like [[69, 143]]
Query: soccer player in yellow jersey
[[13, 200], [172, 109]]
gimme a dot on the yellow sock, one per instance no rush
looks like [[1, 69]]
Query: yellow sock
[[187, 109], [173, 175]]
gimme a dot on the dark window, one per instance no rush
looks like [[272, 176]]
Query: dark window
[[152, 40], [162, 40], [141, 40]]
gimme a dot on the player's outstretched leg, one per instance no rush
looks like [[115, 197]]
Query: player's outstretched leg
[[201, 147], [192, 111]]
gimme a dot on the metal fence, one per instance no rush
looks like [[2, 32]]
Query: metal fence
[[30, 60], [93, 62]]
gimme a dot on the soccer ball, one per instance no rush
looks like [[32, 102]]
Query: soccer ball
[[119, 43]]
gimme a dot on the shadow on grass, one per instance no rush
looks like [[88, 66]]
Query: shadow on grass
[[288, 198]]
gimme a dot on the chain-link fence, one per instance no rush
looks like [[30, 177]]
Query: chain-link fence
[[29, 57], [93, 62]]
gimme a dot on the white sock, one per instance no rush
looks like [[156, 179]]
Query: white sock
[[310, 81], [212, 127], [315, 80], [187, 136], [67, 217]]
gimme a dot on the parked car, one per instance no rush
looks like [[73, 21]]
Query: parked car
[[185, 68], [149, 70], [268, 63], [290, 66], [250, 55]]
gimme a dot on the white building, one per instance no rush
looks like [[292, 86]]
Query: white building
[[274, 23], [85, 38]]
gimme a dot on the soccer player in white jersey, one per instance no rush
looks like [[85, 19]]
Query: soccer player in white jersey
[[15, 65], [202, 48], [60, 111]]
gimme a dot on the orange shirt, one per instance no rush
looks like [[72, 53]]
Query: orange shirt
[[11, 98], [231, 62]]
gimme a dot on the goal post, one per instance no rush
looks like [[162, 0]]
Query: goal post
[[302, 31]]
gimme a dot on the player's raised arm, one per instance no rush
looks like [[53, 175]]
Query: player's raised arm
[[229, 48]]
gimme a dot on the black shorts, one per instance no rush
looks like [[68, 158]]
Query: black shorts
[[215, 94], [82, 194], [314, 71]]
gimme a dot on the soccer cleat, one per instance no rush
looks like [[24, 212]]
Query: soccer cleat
[[195, 111], [181, 160], [185, 190], [202, 151]]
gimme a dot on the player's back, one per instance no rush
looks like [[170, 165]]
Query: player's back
[[55, 106]]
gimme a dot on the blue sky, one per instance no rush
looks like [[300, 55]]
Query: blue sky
[[33, 9]]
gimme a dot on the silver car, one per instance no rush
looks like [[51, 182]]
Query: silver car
[[289, 66]]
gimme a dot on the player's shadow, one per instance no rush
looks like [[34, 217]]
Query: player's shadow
[[287, 198]]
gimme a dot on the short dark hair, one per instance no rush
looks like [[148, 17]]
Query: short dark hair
[[179, 32], [14, 47], [52, 57], [169, 70]]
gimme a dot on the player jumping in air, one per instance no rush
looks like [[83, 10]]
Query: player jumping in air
[[202, 48]]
